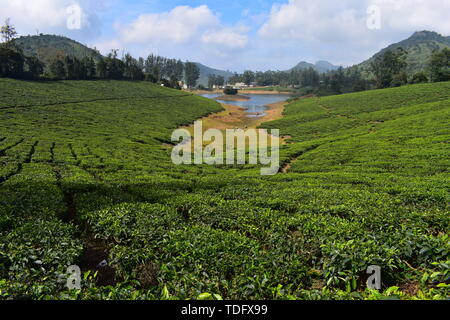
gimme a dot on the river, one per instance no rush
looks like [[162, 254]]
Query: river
[[256, 105]]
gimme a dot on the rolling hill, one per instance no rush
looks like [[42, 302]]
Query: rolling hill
[[48, 47], [419, 46], [86, 176]]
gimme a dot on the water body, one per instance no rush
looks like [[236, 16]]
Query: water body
[[256, 105]]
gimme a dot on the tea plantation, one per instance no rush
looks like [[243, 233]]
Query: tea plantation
[[86, 176]]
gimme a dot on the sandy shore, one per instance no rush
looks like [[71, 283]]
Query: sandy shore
[[229, 97], [265, 92], [200, 92], [234, 117]]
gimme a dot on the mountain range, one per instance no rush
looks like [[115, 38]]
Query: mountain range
[[419, 47], [319, 66]]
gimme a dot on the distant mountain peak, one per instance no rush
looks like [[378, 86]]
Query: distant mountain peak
[[424, 35], [419, 47], [205, 71], [320, 66]]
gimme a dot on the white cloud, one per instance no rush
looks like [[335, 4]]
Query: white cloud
[[313, 20], [338, 31], [49, 16], [35, 14], [417, 14], [226, 38], [322, 20], [184, 31], [180, 25], [106, 46], [292, 31]]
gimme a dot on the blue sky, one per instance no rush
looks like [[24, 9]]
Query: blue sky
[[232, 34]]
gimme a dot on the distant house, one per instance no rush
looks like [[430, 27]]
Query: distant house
[[239, 85], [183, 85]]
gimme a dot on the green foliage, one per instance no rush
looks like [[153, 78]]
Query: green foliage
[[58, 69], [49, 48], [389, 69], [367, 184], [440, 65], [11, 63], [419, 47], [215, 80], [191, 74], [420, 77], [8, 31]]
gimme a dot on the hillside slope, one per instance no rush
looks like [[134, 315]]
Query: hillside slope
[[86, 175], [419, 46], [49, 47]]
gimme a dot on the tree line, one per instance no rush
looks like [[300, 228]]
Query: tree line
[[387, 70], [215, 80], [339, 81], [156, 69]]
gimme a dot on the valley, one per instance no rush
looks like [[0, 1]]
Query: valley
[[364, 181]]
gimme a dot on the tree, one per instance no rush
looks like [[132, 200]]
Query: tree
[[248, 77], [359, 85], [440, 65], [132, 68], [236, 78], [192, 74], [71, 68], [114, 67], [215, 80], [34, 67], [389, 68], [8, 31], [399, 79], [11, 63], [89, 68], [337, 81], [153, 68], [310, 78], [419, 77], [58, 69], [102, 69]]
